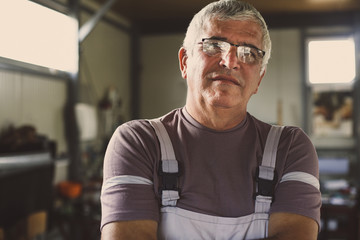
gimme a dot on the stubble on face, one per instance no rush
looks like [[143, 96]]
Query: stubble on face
[[223, 86], [219, 89]]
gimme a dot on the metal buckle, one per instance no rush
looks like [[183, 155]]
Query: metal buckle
[[169, 181], [265, 187]]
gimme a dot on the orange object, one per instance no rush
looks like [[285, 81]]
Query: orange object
[[70, 189]]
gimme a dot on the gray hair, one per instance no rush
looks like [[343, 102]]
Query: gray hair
[[227, 10]]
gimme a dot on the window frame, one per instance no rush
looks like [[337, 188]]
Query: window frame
[[30, 68], [327, 142]]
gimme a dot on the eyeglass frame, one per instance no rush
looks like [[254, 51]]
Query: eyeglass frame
[[261, 52]]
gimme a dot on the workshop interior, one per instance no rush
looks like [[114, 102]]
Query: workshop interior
[[72, 71]]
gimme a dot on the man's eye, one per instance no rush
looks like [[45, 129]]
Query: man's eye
[[215, 46], [250, 53], [254, 53]]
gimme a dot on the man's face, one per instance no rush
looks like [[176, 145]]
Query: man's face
[[222, 80]]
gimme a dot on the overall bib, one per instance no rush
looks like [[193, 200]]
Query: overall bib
[[177, 223]]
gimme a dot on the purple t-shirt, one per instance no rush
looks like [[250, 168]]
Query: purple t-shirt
[[218, 169]]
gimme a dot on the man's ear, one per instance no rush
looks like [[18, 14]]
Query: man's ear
[[183, 62], [261, 77]]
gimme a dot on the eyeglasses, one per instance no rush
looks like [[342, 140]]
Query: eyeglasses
[[246, 54]]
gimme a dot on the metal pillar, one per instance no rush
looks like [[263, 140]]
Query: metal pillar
[[71, 128], [356, 116]]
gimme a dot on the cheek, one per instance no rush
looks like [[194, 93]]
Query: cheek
[[195, 70], [255, 84], [253, 75]]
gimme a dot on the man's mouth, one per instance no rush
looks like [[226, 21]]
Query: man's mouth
[[225, 79]]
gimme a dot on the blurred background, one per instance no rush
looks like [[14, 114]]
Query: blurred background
[[71, 71]]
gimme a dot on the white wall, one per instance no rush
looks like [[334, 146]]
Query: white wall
[[282, 82], [105, 63], [163, 88]]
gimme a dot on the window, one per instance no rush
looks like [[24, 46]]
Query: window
[[32, 33], [331, 60], [331, 74]]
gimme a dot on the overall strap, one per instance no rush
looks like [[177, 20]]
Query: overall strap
[[169, 168], [266, 175]]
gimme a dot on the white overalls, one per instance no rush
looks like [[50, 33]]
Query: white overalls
[[177, 223]]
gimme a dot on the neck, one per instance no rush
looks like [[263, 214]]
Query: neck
[[216, 118]]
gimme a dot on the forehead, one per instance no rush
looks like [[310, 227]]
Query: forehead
[[236, 31]]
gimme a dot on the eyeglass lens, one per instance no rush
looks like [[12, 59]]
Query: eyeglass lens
[[245, 54]]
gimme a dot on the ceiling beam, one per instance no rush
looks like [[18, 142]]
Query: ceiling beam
[[87, 27], [274, 20], [310, 19]]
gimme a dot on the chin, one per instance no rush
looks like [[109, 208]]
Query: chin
[[223, 104]]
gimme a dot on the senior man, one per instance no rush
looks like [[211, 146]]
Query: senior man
[[210, 170]]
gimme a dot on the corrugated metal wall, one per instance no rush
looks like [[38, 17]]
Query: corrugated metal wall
[[34, 100]]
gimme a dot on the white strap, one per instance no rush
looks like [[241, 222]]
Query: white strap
[[271, 145], [170, 166], [301, 177], [267, 173], [167, 150], [262, 204], [168, 160], [267, 167], [169, 197], [124, 179]]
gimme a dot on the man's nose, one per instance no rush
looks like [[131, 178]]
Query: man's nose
[[230, 60]]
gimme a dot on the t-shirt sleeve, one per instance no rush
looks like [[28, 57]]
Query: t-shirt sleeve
[[128, 175], [298, 188]]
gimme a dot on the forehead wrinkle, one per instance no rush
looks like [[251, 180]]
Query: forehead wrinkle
[[219, 26]]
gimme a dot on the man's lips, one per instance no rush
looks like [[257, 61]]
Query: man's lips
[[225, 78]]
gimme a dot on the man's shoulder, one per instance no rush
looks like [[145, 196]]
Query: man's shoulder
[[288, 129], [261, 127], [290, 134], [171, 116], [143, 125]]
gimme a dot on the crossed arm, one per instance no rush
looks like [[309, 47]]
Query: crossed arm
[[282, 226], [130, 230]]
